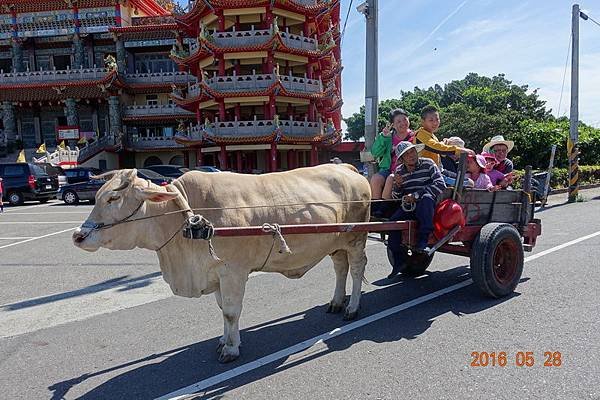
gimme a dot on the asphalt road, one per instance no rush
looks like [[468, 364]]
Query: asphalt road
[[105, 326]]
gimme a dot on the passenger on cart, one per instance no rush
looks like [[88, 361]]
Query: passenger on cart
[[418, 182]]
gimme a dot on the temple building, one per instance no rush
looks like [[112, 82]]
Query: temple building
[[243, 85]]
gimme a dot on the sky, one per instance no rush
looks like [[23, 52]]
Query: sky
[[424, 42], [427, 42]]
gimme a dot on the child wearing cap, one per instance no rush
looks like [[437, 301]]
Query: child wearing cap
[[476, 172]]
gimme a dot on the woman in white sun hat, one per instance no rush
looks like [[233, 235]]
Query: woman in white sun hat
[[500, 148]]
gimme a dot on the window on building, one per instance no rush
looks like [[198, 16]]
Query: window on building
[[153, 63], [6, 64], [152, 100], [62, 62], [43, 62]]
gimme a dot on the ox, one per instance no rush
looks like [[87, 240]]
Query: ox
[[308, 195]]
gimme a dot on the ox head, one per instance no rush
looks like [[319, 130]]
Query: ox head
[[124, 196]]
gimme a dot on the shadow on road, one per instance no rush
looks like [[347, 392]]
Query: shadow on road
[[159, 374], [122, 282]]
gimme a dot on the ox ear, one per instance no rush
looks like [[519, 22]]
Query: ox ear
[[155, 195]]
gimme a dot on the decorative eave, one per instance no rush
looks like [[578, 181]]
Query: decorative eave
[[149, 7], [209, 49], [276, 88], [61, 90], [130, 31], [154, 118], [189, 21]]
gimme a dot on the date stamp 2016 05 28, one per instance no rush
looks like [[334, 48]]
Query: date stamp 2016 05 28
[[519, 359]]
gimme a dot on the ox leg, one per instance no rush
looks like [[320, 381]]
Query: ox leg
[[232, 293], [220, 304], [357, 259], [340, 264]]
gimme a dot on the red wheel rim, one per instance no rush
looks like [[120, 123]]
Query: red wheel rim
[[505, 261]]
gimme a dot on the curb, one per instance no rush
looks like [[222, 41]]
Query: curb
[[566, 190]]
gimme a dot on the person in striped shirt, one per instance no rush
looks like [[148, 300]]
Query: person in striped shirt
[[418, 181]]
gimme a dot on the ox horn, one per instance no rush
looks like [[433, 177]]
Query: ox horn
[[105, 176], [122, 186]]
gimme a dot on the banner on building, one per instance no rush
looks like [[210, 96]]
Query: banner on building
[[67, 132]]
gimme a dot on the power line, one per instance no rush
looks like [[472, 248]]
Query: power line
[[564, 75], [346, 21], [593, 20]]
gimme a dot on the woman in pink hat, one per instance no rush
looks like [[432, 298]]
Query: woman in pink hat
[[476, 172]]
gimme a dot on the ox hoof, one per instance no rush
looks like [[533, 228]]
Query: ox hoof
[[350, 315], [334, 308], [228, 354], [220, 347]]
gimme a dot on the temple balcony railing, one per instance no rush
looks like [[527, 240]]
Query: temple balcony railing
[[240, 83], [160, 77], [299, 41], [155, 110], [257, 128], [139, 142], [53, 75], [256, 37]]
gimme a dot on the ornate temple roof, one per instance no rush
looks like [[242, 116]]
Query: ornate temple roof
[[149, 7]]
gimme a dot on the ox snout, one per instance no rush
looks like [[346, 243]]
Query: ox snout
[[80, 237]]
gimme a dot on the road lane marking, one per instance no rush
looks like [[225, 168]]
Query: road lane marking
[[39, 222], [10, 210], [37, 237], [302, 346], [51, 213]]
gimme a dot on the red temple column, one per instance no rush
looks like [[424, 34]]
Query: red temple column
[[199, 156], [272, 108], [270, 62], [221, 65], [314, 155], [240, 167], [222, 116], [268, 161], [273, 157], [221, 20], [290, 159], [223, 158]]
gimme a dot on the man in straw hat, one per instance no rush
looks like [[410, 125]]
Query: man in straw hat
[[500, 148], [418, 182]]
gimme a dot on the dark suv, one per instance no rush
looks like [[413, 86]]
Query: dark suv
[[27, 181], [76, 175]]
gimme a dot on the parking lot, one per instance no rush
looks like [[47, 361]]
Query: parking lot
[[104, 325]]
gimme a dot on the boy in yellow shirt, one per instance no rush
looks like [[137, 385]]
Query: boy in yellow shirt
[[434, 148]]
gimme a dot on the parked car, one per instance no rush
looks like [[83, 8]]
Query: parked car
[[81, 174], [154, 177], [86, 191], [55, 170], [206, 168], [73, 193], [27, 181], [171, 171]]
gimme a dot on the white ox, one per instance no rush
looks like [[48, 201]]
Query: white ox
[[186, 264]]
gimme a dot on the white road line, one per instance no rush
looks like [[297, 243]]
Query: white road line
[[10, 210], [37, 237], [51, 213], [39, 222], [242, 369]]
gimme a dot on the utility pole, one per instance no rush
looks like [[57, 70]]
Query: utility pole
[[370, 9], [572, 149]]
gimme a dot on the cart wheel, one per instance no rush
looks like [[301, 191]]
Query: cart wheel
[[497, 259], [416, 264]]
